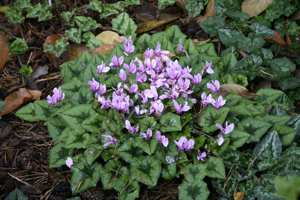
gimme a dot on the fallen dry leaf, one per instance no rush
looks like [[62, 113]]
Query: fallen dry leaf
[[51, 40], [147, 26], [105, 48], [295, 16], [18, 98], [108, 37], [255, 7], [182, 4], [278, 40], [168, 13], [4, 7], [3, 51], [209, 12], [238, 195], [238, 89], [74, 51]]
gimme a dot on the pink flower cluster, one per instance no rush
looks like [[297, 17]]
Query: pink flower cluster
[[56, 97], [224, 131], [185, 144]]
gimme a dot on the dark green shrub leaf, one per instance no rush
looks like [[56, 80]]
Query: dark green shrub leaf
[[59, 154], [198, 191], [211, 25], [215, 168], [195, 172], [289, 83], [16, 195], [129, 152], [249, 66], [77, 139], [286, 133], [148, 146], [170, 122], [228, 37]]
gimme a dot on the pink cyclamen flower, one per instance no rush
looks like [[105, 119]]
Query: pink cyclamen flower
[[208, 68], [129, 47], [116, 62], [224, 131], [57, 96], [105, 103], [180, 48], [49, 2], [147, 135], [156, 107], [130, 128], [110, 140], [151, 93], [180, 108], [101, 90], [204, 99], [94, 84], [197, 79], [214, 87], [123, 75], [201, 156], [133, 88], [162, 139], [69, 162], [131, 68], [189, 145], [101, 68], [185, 144], [219, 103], [138, 111]]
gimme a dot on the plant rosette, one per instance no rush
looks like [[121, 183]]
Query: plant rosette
[[133, 116]]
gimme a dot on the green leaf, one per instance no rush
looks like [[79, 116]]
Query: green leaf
[[255, 127], [88, 36], [67, 16], [108, 10], [45, 16], [207, 48], [76, 115], [95, 5], [129, 152], [249, 66], [269, 147], [43, 110], [161, 152], [265, 164], [132, 2], [246, 110], [86, 23], [168, 171], [83, 96], [261, 193], [294, 123], [195, 172], [215, 168], [189, 46], [237, 138], [17, 47], [199, 141], [174, 34], [120, 5], [170, 122], [265, 54], [93, 123], [267, 96], [71, 69], [238, 15], [281, 120], [14, 16], [164, 3], [55, 127], [247, 43], [286, 133], [124, 25], [261, 30], [148, 169], [228, 37], [78, 139], [231, 157], [210, 117], [26, 70], [246, 158], [142, 41], [211, 25], [110, 173], [16, 195], [58, 48], [194, 7], [280, 68], [84, 175], [198, 191], [59, 154], [148, 146], [279, 7], [71, 86], [223, 6], [26, 112], [289, 83], [94, 44], [74, 34]]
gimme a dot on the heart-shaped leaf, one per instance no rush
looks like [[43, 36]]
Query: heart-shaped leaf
[[170, 122], [129, 152], [215, 168], [197, 191], [59, 155]]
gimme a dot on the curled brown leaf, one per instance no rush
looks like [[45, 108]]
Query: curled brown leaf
[[238, 89]]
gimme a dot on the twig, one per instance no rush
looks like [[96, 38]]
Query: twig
[[31, 137]]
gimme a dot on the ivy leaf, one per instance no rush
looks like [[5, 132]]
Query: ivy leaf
[[95, 5], [83, 96], [255, 127], [265, 54], [129, 152], [231, 157], [289, 83], [78, 139], [170, 122], [148, 169], [189, 47], [58, 48], [246, 158], [43, 110], [228, 37], [211, 25], [93, 123], [17, 47], [223, 6], [164, 3], [280, 120], [88, 36], [74, 34], [143, 41], [71, 69], [94, 44], [265, 164], [267, 96], [210, 117], [174, 35], [237, 138], [110, 173], [16, 195], [45, 16], [238, 15], [55, 127], [247, 43], [215, 168], [249, 66], [76, 115], [26, 70], [71, 86], [194, 7], [84, 175], [107, 11], [261, 30], [124, 25], [269, 147], [168, 171], [195, 171], [148, 146], [59, 154], [14, 16], [198, 190], [67, 16], [280, 68], [86, 23], [286, 133]]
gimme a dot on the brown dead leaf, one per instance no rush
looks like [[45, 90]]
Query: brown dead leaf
[[295, 16], [168, 13], [4, 7], [209, 12], [238, 195], [18, 98], [51, 40], [255, 7], [3, 51], [278, 40], [182, 4], [109, 37], [74, 51], [238, 89], [105, 48], [147, 26]]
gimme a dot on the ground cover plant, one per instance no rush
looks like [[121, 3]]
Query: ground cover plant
[[146, 109]]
